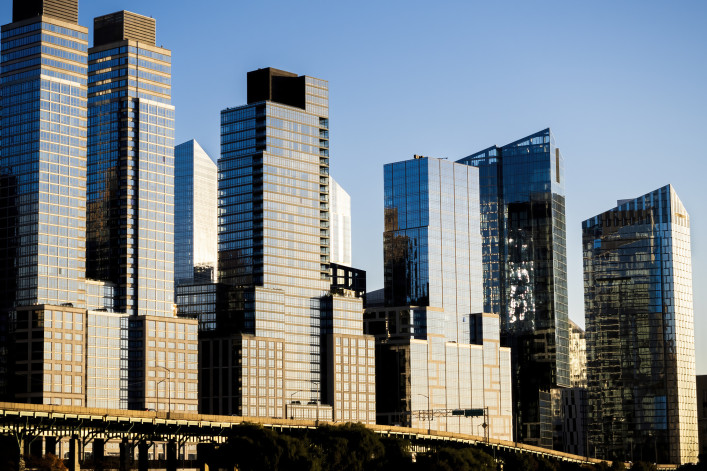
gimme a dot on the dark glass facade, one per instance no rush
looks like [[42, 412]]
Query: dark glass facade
[[522, 201], [702, 412], [640, 337]]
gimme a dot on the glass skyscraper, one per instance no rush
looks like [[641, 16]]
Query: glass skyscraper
[[436, 349], [274, 249], [525, 270], [640, 330], [131, 164], [196, 205]]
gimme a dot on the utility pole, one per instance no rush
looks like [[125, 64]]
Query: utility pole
[[319, 392]]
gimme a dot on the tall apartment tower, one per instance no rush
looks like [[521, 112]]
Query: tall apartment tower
[[131, 206], [640, 330], [274, 245], [196, 205], [42, 163], [525, 270], [436, 349], [131, 164]]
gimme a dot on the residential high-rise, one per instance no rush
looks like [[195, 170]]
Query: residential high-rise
[[340, 224], [436, 349], [131, 164], [131, 206], [274, 250], [525, 270], [196, 240], [640, 330], [42, 163]]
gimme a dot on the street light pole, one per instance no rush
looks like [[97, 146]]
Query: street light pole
[[429, 413], [316, 422], [292, 417], [158, 392], [169, 389]]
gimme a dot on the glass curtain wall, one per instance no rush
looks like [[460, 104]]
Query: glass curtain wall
[[640, 331]]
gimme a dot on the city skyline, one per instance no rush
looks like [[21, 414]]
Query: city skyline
[[104, 135], [613, 99]]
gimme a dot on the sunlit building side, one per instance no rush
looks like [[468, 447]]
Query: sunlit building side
[[436, 350], [640, 330]]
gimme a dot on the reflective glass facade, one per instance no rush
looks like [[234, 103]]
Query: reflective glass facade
[[522, 199], [195, 239], [435, 348], [274, 234], [640, 330], [131, 171], [340, 224], [43, 162]]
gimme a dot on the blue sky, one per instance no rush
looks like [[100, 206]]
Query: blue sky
[[621, 84]]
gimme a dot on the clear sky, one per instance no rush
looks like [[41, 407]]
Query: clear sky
[[623, 85]]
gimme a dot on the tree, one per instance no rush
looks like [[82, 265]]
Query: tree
[[643, 466], [250, 447], [618, 466], [455, 459], [48, 462], [298, 454], [397, 454], [348, 447]]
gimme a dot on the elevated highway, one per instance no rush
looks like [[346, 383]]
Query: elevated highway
[[81, 426]]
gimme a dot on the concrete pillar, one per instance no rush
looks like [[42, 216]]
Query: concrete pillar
[[74, 452], [50, 446], [124, 455], [171, 455], [99, 447], [142, 449], [203, 451]]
